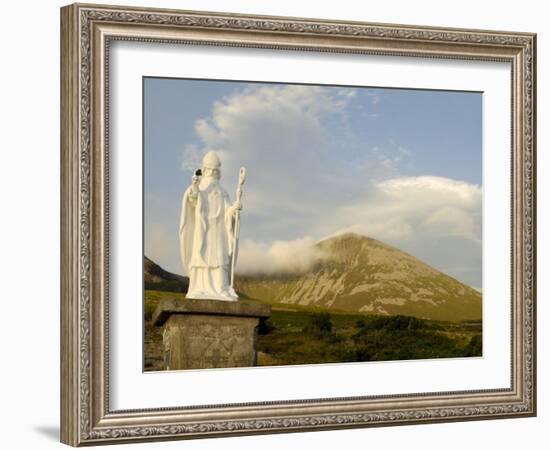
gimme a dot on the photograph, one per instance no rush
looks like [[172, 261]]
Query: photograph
[[289, 224]]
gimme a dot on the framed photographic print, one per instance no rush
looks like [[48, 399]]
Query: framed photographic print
[[277, 224]]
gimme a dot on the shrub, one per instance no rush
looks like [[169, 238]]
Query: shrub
[[393, 323], [319, 325], [402, 338], [474, 347], [265, 327]]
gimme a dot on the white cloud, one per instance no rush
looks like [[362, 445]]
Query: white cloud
[[452, 221], [435, 205], [290, 116], [437, 188], [280, 257], [191, 158], [292, 139]]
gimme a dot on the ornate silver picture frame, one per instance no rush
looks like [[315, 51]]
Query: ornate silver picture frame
[[87, 33]]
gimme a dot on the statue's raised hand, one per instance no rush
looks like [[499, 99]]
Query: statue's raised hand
[[195, 181]]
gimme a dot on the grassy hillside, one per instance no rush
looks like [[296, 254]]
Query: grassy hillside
[[300, 337], [156, 278], [296, 334]]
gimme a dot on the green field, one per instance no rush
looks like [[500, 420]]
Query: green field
[[300, 335]]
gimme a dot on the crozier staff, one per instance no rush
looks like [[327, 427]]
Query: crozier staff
[[238, 195], [207, 233]]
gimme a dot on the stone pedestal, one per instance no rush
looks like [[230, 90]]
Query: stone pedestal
[[202, 334]]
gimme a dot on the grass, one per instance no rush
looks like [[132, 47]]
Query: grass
[[301, 335], [296, 337]]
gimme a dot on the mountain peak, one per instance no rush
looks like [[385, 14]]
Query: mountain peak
[[348, 236], [358, 273]]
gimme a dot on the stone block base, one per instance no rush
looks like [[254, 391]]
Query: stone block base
[[202, 334]]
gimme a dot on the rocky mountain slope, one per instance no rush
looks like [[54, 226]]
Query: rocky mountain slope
[[360, 274]]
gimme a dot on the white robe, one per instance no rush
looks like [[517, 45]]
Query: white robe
[[206, 239]]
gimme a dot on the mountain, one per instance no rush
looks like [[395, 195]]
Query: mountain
[[156, 278], [359, 274], [354, 274]]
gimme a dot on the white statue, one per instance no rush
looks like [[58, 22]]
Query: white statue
[[208, 232]]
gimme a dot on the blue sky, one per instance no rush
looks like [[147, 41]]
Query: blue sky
[[403, 166]]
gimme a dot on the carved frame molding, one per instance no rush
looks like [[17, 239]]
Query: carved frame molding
[[86, 32]]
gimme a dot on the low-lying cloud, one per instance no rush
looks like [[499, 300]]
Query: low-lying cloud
[[279, 257]]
